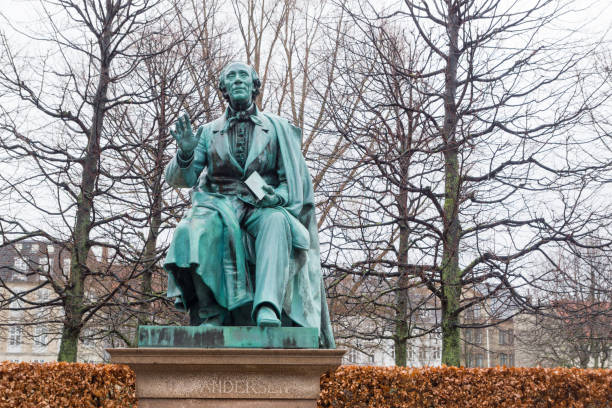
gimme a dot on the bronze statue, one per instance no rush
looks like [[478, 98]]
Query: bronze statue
[[247, 252]]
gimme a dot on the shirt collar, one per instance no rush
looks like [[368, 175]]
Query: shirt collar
[[231, 116], [248, 113]]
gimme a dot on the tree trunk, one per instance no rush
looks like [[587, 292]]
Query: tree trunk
[[451, 275], [75, 290], [150, 250], [149, 255], [402, 330], [402, 326], [69, 345]]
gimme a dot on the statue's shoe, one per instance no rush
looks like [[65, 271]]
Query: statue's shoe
[[266, 317]]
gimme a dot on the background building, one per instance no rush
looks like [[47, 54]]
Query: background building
[[487, 338], [30, 314]]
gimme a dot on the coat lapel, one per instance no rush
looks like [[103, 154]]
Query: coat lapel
[[260, 139], [222, 146]]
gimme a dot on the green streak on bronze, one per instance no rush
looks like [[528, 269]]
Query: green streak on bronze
[[228, 337]]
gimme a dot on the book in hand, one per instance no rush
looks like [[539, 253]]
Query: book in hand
[[255, 183]]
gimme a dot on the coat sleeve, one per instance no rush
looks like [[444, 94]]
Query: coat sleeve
[[185, 173], [281, 190]]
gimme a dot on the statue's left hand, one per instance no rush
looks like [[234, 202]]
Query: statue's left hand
[[270, 199]]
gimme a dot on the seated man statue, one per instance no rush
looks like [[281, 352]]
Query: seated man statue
[[237, 259]]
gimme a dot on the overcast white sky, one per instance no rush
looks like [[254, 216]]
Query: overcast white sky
[[593, 16]]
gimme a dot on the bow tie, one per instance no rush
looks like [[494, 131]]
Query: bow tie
[[240, 116]]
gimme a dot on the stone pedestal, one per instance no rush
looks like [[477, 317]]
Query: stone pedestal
[[227, 377]]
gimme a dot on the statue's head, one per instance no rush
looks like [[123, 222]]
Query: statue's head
[[239, 84]]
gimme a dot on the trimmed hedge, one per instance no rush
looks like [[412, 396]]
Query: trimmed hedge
[[66, 385], [452, 387], [78, 385]]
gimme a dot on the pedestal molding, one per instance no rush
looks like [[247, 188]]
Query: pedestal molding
[[249, 378]]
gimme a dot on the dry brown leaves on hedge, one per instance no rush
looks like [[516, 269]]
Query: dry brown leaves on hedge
[[76, 385], [66, 385], [452, 387]]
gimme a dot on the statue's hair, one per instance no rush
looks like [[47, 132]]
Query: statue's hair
[[254, 77]]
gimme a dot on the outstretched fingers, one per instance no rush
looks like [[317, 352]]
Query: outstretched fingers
[[181, 126], [178, 129], [186, 121]]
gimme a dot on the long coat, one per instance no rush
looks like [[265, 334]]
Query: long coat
[[276, 155]]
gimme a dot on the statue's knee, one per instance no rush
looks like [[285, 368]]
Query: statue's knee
[[203, 221], [276, 219], [181, 228]]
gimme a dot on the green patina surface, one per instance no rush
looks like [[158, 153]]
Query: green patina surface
[[228, 337], [238, 257]]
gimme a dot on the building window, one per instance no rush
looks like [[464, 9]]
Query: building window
[[476, 309], [98, 251], [473, 312], [506, 337], [424, 314], [436, 355], [14, 345], [422, 354], [43, 295], [410, 352], [16, 309], [66, 265], [34, 248], [469, 359], [40, 339], [87, 337], [477, 336], [43, 265], [20, 264], [351, 356], [506, 360], [478, 360]]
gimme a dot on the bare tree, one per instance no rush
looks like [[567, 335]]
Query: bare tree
[[380, 224], [70, 176], [505, 111], [182, 78], [573, 326]]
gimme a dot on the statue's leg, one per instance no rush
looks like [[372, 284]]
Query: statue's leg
[[195, 260], [206, 308], [182, 277], [272, 233], [206, 242]]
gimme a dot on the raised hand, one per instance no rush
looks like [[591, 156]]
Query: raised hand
[[183, 134]]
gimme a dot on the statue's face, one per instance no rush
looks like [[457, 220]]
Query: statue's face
[[239, 85]]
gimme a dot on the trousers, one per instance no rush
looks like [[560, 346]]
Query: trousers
[[267, 239]]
